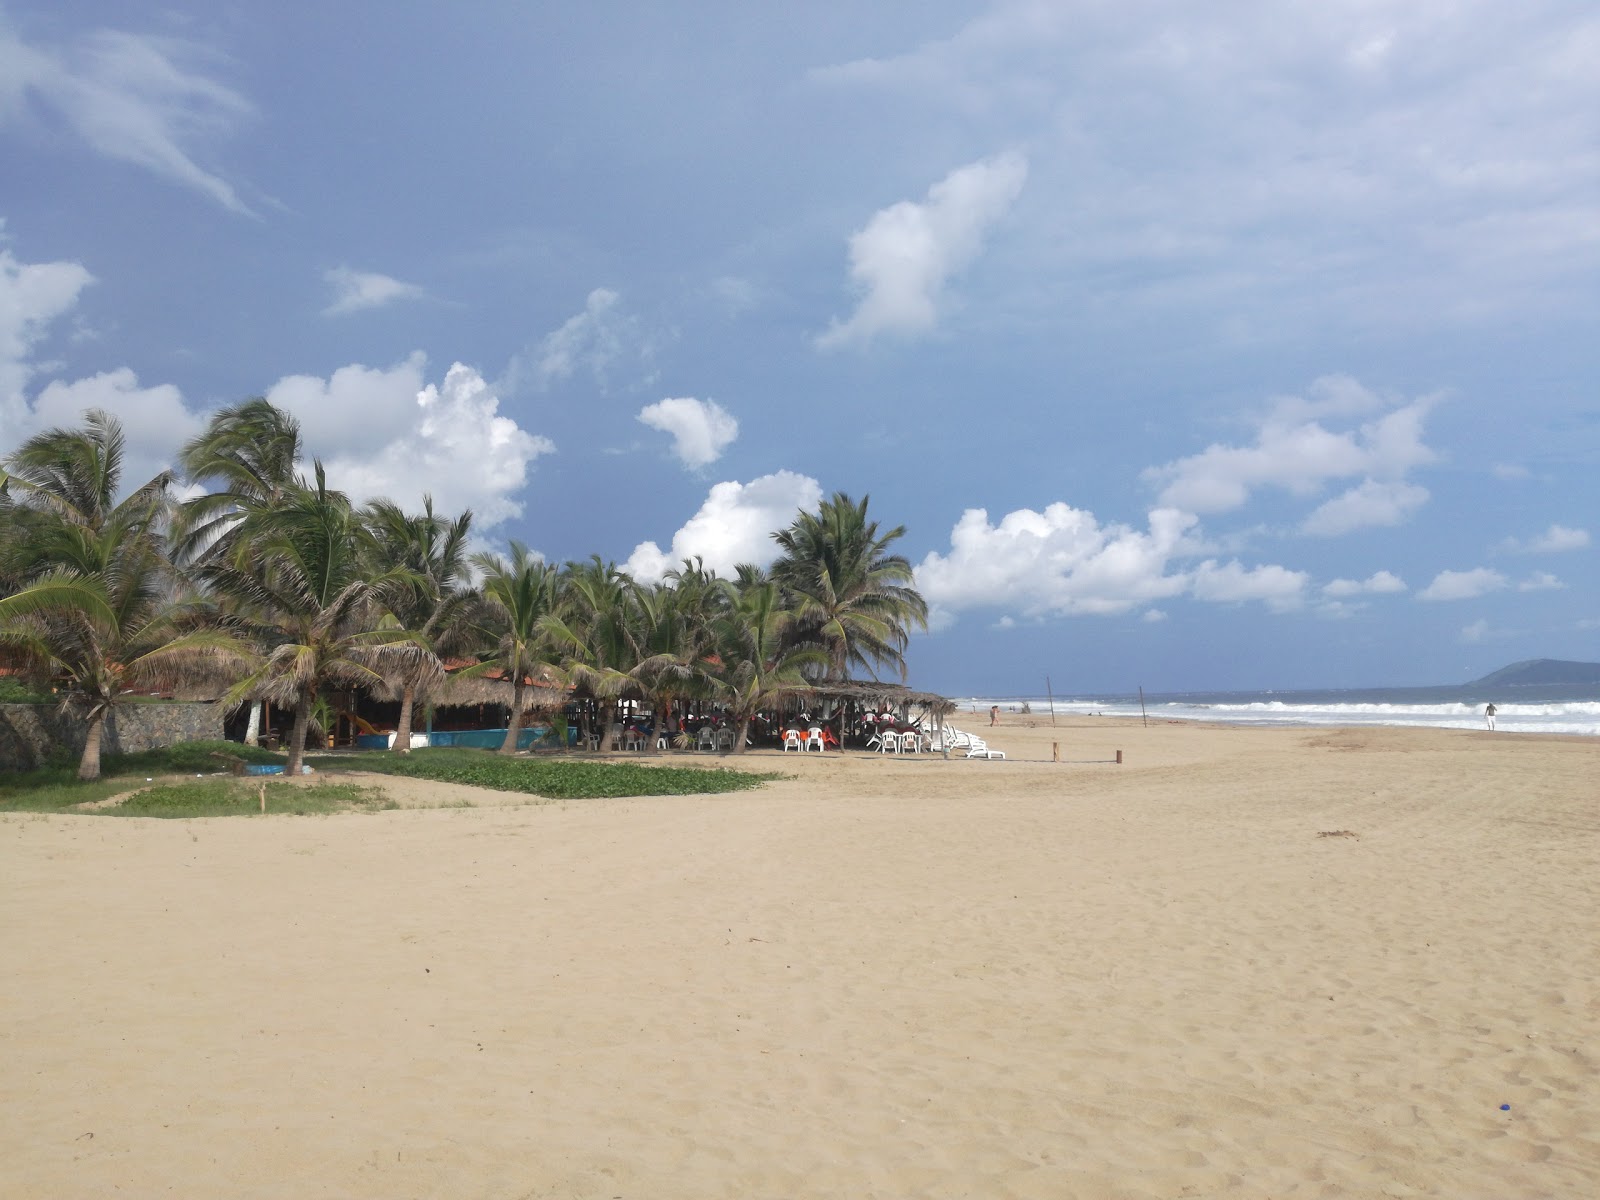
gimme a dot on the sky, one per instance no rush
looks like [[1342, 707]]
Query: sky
[[1242, 345]]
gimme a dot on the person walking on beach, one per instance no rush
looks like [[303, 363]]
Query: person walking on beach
[[1488, 717], [994, 714]]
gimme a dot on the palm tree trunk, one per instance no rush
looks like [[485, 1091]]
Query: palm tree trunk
[[402, 734], [514, 722], [743, 733], [252, 731], [297, 735], [89, 764], [607, 719]]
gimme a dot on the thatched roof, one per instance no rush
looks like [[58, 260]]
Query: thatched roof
[[874, 694], [482, 689]]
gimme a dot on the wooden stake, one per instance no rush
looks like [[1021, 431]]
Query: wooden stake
[[1055, 751], [1052, 697], [263, 797], [1119, 758]]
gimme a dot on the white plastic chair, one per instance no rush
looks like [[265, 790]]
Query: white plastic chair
[[814, 738], [889, 742], [706, 739], [791, 740], [910, 742], [725, 737]]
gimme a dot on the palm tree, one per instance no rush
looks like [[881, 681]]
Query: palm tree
[[250, 453], [252, 450], [434, 550], [520, 599], [309, 577], [598, 635], [756, 664], [852, 596], [98, 611]]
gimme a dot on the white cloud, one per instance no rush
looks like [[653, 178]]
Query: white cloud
[[154, 420], [453, 442], [1555, 540], [1463, 585], [601, 341], [735, 525], [357, 290], [32, 296], [1295, 450], [1060, 560], [1279, 588], [130, 97], [908, 252], [701, 429], [1475, 632], [1471, 194], [1377, 584], [1153, 616], [1540, 581], [1367, 504]]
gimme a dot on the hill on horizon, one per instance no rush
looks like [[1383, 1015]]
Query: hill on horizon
[[1541, 672]]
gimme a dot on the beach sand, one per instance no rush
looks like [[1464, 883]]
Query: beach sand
[[881, 978]]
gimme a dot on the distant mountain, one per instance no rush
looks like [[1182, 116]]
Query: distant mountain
[[1541, 672]]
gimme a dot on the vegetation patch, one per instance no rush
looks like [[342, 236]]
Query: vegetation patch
[[238, 798], [57, 788], [554, 779]]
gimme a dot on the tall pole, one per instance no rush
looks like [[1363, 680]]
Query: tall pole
[[1051, 696], [1142, 713]]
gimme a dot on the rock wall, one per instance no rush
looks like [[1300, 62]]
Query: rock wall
[[32, 734]]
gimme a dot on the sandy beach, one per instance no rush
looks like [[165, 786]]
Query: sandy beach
[[1286, 963]]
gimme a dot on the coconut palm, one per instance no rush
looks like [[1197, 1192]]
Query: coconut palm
[[520, 599], [597, 633], [434, 550], [98, 611], [249, 454], [309, 576], [756, 665], [851, 595]]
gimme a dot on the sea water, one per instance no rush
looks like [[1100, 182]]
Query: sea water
[[1556, 710]]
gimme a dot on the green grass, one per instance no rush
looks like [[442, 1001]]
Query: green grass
[[554, 778], [240, 798], [56, 787]]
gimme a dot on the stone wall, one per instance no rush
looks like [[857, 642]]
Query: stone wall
[[31, 734]]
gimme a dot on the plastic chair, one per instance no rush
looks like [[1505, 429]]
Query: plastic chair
[[706, 739], [814, 738], [791, 740], [888, 742]]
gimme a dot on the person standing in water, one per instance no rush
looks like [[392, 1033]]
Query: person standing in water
[[1488, 717]]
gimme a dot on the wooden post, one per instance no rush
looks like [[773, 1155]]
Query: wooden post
[[1119, 758], [1142, 712], [263, 797], [1052, 697], [1055, 751]]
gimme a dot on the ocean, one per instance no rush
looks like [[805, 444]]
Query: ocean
[[1569, 709]]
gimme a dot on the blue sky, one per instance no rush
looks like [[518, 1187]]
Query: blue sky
[[1237, 345]]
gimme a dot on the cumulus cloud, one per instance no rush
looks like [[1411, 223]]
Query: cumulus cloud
[[1060, 560], [1367, 504], [1555, 540], [735, 525], [355, 290], [701, 429], [1463, 585], [155, 420], [133, 98], [32, 297], [1296, 451], [1279, 588], [454, 443], [1540, 581], [908, 252], [1377, 584]]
